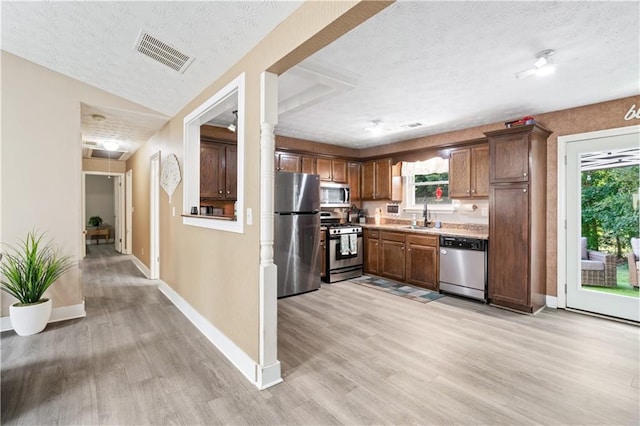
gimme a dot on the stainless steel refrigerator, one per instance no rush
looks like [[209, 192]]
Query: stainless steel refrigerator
[[297, 232]]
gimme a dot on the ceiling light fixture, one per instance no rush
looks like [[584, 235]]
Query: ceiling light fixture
[[98, 117], [542, 66], [232, 127], [111, 146]]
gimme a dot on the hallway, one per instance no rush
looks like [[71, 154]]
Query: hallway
[[350, 355]]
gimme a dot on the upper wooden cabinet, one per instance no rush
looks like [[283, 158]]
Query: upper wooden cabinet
[[469, 172], [376, 180], [308, 164], [510, 154], [333, 170], [287, 162], [218, 171], [353, 179]]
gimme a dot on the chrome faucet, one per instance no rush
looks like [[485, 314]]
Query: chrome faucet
[[425, 212]]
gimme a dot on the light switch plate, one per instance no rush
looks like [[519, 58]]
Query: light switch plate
[[249, 216]]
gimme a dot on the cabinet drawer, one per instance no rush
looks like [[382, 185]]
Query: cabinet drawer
[[423, 240], [372, 233], [393, 236]]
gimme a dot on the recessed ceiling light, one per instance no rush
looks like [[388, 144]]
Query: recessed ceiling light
[[98, 117]]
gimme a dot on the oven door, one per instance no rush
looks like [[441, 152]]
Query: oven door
[[339, 260]]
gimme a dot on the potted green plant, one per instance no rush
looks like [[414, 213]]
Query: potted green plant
[[27, 272], [95, 221]]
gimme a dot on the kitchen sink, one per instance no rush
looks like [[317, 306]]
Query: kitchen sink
[[415, 227]]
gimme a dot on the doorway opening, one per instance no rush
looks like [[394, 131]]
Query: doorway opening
[[601, 214], [103, 210]]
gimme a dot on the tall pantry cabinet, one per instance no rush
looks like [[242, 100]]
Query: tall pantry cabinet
[[517, 217]]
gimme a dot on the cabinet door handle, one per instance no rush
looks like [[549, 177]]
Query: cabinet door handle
[[524, 174], [473, 191], [467, 191], [228, 192], [524, 190], [220, 192], [409, 250]]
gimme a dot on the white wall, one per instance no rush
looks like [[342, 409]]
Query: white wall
[[99, 198]]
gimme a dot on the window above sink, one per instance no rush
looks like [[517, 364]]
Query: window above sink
[[429, 179]]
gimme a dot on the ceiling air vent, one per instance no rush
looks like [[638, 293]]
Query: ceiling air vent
[[162, 52]]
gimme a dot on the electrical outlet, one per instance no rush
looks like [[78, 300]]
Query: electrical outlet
[[249, 216], [485, 211]]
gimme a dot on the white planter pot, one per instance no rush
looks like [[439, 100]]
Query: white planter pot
[[30, 319]]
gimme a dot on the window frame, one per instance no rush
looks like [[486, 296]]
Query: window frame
[[209, 109], [409, 196]]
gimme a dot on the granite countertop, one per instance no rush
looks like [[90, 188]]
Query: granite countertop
[[451, 232]]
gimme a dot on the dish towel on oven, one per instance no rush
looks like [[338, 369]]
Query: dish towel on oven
[[344, 245], [353, 243]]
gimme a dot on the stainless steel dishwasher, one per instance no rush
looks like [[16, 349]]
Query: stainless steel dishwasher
[[463, 267]]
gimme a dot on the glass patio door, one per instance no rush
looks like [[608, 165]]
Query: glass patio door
[[602, 216]]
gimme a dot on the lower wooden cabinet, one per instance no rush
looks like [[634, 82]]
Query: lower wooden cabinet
[[422, 261], [372, 251], [407, 257], [392, 255], [323, 253]]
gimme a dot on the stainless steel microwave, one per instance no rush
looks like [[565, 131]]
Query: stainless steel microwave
[[335, 194]]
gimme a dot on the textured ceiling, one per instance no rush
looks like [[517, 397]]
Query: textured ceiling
[[447, 65], [129, 129], [94, 42], [452, 65]]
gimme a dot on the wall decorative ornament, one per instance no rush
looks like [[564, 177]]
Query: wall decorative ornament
[[632, 113], [170, 175]]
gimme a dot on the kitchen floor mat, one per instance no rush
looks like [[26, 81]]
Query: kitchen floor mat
[[399, 289]]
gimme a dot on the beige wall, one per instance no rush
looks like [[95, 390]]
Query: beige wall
[[218, 272], [41, 161], [102, 165], [589, 118]]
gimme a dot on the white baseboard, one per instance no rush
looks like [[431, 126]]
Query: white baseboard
[[143, 268], [552, 302], [243, 362], [62, 313], [268, 376]]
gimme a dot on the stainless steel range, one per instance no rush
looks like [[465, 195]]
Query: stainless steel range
[[343, 251]]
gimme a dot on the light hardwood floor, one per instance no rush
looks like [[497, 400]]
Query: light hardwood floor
[[350, 355]]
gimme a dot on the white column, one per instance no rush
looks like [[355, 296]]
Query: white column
[[268, 373]]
